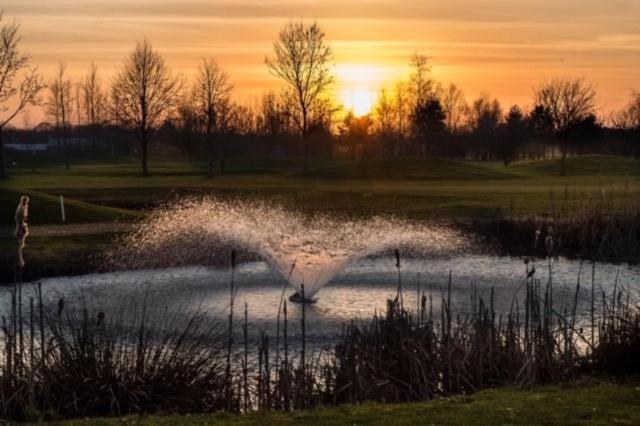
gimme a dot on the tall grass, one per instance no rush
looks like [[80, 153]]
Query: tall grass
[[596, 228], [83, 362]]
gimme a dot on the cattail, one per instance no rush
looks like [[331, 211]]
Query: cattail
[[549, 241], [22, 213], [60, 306], [531, 272], [233, 258], [22, 228], [548, 244], [397, 253], [100, 317]]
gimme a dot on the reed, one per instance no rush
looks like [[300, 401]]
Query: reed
[[85, 362], [138, 358], [594, 228]]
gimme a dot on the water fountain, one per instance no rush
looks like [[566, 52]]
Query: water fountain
[[307, 250]]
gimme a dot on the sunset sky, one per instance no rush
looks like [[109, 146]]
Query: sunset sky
[[502, 47]]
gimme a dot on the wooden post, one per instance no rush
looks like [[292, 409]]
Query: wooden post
[[64, 217]]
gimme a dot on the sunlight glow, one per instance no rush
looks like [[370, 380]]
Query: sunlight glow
[[359, 100], [358, 86]]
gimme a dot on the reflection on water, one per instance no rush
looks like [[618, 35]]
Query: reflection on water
[[357, 292]]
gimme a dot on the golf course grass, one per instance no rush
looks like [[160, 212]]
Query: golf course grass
[[99, 192], [582, 403]]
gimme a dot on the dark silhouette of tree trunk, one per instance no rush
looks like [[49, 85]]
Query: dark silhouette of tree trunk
[[144, 148], [221, 150], [2, 171]]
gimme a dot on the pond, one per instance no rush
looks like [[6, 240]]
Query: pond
[[359, 291]]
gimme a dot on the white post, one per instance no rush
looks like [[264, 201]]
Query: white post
[[64, 218]]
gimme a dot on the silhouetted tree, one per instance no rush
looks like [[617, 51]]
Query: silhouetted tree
[[271, 119], [93, 101], [429, 123], [567, 101], [402, 111], [385, 120], [212, 96], [302, 62], [515, 133], [354, 132], [143, 95], [628, 120], [585, 132], [242, 120], [15, 94], [485, 119], [454, 106], [60, 107], [540, 122], [421, 86], [186, 123]]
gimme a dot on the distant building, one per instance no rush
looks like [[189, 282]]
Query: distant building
[[75, 143], [53, 145], [27, 147]]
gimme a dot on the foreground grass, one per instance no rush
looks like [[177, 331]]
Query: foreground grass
[[578, 403]]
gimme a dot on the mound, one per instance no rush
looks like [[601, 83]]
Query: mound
[[411, 169]]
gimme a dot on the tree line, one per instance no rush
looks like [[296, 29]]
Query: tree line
[[146, 101]]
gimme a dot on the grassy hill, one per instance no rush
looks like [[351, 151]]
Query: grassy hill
[[586, 165], [411, 169]]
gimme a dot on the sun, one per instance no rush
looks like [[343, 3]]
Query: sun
[[358, 86], [359, 100]]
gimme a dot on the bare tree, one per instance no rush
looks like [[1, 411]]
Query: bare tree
[[455, 107], [628, 119], [484, 120], [241, 120], [421, 86], [302, 61], [385, 120], [187, 124], [271, 119], [402, 110], [143, 95], [567, 101], [211, 94], [59, 108], [93, 101], [15, 94], [485, 114], [77, 100], [354, 132]]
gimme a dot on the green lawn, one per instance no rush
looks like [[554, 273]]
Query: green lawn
[[592, 403], [105, 191]]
